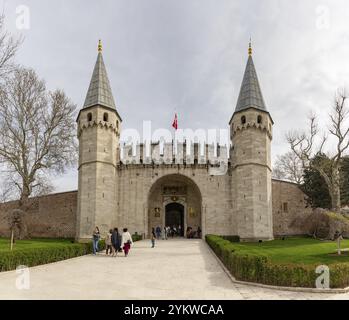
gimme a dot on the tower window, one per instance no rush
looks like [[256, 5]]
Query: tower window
[[259, 119], [285, 207], [89, 117], [117, 124], [105, 117], [243, 120]]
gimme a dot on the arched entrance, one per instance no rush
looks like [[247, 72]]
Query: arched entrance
[[174, 217], [174, 200]]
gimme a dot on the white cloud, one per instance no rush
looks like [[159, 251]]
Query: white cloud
[[191, 55]]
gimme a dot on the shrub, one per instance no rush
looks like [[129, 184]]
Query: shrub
[[259, 268], [30, 257], [136, 237], [232, 238]]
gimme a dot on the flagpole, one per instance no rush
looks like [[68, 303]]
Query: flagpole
[[175, 127]]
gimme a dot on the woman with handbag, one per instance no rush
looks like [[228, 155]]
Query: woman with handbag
[[126, 241]]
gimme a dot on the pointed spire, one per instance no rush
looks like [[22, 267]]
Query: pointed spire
[[250, 93], [99, 92]]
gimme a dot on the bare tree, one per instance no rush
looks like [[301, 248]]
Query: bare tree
[[7, 191], [36, 132], [289, 167], [8, 48], [305, 147], [278, 173]]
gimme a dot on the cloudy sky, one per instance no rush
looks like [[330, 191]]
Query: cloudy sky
[[189, 56]]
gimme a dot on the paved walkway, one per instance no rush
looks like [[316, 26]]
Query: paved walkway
[[175, 269]]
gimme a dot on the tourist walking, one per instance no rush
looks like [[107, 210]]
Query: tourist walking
[[115, 241], [108, 244], [153, 237], [126, 241], [158, 232], [174, 231], [199, 232], [95, 240], [164, 234]]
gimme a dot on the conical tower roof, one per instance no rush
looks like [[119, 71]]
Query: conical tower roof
[[99, 92], [250, 93]]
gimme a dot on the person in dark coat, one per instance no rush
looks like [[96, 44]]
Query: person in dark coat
[[115, 240], [153, 237], [158, 233], [199, 232]]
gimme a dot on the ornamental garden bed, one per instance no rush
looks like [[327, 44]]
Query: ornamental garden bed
[[288, 263]]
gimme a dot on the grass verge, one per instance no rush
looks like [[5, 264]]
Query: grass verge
[[289, 263]]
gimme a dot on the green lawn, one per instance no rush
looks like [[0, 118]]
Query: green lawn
[[296, 250], [32, 244]]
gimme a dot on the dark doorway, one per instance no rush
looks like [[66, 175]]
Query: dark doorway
[[175, 217]]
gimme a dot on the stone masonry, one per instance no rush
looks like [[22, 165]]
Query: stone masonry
[[185, 184], [55, 215]]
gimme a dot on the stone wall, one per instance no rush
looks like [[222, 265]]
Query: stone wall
[[55, 215], [136, 203], [288, 204], [52, 216]]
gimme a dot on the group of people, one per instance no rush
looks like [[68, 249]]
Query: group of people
[[166, 232], [191, 234], [115, 242], [158, 233]]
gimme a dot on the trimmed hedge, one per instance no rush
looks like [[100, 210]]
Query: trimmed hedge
[[136, 237], [31, 257], [232, 238], [259, 268]]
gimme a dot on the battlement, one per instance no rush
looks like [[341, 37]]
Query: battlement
[[172, 153]]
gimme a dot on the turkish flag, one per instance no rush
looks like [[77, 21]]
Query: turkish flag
[[175, 122]]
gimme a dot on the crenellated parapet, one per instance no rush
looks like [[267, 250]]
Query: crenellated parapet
[[172, 153]]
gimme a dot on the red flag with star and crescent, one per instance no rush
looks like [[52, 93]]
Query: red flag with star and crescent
[[175, 122]]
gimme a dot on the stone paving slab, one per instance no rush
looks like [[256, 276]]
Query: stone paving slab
[[175, 269]]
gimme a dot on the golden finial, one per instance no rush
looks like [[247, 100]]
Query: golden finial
[[250, 48], [100, 48]]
